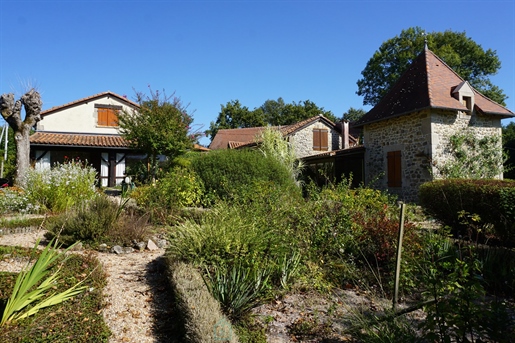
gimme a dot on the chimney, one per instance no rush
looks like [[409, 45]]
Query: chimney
[[345, 133]]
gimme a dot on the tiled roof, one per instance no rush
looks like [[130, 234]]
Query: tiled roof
[[427, 83], [77, 140], [88, 99], [233, 138]]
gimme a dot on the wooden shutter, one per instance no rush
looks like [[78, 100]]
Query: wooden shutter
[[394, 169], [323, 140], [320, 140], [316, 139], [112, 117], [102, 116]]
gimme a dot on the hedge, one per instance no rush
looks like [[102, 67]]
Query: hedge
[[492, 200]]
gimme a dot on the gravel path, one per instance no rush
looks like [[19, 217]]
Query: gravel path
[[138, 303]]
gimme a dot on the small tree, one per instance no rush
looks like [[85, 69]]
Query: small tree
[[274, 145], [160, 126], [11, 112]]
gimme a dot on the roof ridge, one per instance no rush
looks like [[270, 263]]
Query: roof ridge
[[89, 98]]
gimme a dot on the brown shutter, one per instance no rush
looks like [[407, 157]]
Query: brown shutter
[[316, 139], [102, 116], [323, 140], [394, 169], [112, 118]]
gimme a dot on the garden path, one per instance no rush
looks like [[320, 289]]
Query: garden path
[[137, 301]]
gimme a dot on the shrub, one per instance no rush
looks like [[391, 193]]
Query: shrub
[[100, 221], [177, 189], [231, 174], [16, 200], [491, 200], [62, 187], [200, 313]]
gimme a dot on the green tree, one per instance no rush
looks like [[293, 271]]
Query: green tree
[[233, 115], [272, 112], [9, 164], [461, 53], [508, 142], [160, 126], [353, 114]]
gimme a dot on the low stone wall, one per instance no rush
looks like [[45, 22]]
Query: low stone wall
[[17, 230]]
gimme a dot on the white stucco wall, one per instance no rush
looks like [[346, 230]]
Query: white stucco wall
[[81, 118]]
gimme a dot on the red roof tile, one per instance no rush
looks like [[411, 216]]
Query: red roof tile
[[88, 99], [427, 83], [77, 140]]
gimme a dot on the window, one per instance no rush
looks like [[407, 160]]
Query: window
[[320, 139], [467, 102], [394, 169], [107, 115]]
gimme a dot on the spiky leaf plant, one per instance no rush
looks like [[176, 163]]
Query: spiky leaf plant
[[28, 290]]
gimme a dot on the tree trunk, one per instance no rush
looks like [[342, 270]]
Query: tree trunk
[[22, 154]]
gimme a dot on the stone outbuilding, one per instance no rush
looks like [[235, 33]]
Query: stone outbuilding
[[410, 128], [312, 136]]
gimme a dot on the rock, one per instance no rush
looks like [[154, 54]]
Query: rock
[[128, 250], [117, 250], [103, 247], [77, 247], [151, 245], [162, 243], [140, 246]]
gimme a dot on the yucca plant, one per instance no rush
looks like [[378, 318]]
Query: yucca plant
[[238, 289], [28, 290]]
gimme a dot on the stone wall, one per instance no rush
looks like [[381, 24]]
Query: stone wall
[[421, 137], [302, 140]]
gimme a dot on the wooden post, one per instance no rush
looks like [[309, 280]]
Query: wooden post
[[398, 260]]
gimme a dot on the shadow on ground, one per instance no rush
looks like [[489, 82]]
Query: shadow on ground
[[167, 326]]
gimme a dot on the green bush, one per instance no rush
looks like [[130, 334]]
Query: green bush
[[62, 187], [231, 174], [15, 200], [175, 190], [490, 200], [100, 221]]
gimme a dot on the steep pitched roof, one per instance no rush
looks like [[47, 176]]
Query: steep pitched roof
[[234, 138], [42, 138], [427, 83], [88, 99]]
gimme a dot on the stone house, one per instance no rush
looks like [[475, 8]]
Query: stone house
[[309, 137], [409, 129], [85, 129]]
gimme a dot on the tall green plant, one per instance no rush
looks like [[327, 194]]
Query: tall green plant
[[472, 157], [273, 144], [62, 187], [28, 290]]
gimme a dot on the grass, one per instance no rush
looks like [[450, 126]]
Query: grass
[[75, 320]]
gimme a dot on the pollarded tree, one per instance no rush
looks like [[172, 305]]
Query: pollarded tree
[[11, 112], [461, 53], [160, 126]]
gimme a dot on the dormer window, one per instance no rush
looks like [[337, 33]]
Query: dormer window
[[465, 95]]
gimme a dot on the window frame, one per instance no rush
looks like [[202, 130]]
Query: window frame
[[111, 115]]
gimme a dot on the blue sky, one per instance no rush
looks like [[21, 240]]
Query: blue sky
[[211, 52]]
